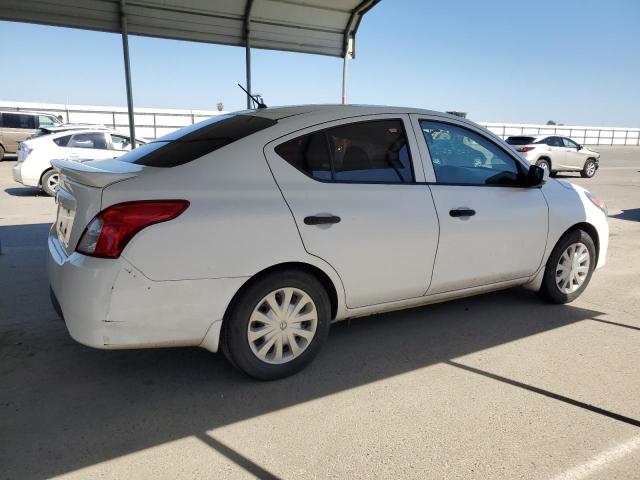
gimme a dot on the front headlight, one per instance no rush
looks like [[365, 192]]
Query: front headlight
[[598, 202]]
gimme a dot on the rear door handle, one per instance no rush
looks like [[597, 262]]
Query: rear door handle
[[321, 220], [462, 212]]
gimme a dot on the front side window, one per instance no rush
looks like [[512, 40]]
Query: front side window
[[88, 140], [460, 156], [120, 142], [47, 121], [368, 152], [18, 120], [569, 143]]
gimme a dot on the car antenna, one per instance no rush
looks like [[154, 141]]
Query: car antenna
[[258, 101]]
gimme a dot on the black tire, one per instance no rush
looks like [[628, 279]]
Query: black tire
[[234, 340], [544, 163], [589, 169], [46, 182], [549, 289], [1, 153], [553, 174]]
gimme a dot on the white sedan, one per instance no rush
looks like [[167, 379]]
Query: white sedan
[[34, 168], [557, 154], [252, 232]]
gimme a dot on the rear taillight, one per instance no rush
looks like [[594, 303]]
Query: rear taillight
[[525, 149], [110, 231], [24, 153]]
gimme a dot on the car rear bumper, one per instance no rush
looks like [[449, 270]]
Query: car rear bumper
[[108, 303], [16, 172]]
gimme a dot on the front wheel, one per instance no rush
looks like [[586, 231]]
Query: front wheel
[[569, 268], [277, 325], [544, 164], [589, 169], [50, 182]]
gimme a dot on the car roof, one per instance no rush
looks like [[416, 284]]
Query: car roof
[[28, 112], [277, 113]]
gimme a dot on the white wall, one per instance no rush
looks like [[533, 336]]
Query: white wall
[[156, 122]]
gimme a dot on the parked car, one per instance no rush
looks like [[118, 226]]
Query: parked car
[[252, 232], [557, 154], [18, 126], [34, 168]]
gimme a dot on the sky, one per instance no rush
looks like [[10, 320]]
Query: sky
[[571, 61]]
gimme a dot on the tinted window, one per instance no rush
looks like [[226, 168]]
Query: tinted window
[[520, 140], [88, 140], [554, 142], [195, 141], [569, 143], [374, 151], [462, 156], [18, 120], [62, 141]]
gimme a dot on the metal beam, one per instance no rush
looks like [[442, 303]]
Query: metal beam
[[127, 71], [247, 46]]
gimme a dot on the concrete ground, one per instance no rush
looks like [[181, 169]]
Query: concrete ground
[[495, 386]]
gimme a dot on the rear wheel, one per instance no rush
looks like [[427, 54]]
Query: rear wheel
[[50, 182], [1, 153], [589, 169], [277, 325], [544, 164], [569, 268]]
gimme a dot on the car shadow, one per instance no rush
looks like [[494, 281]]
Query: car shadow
[[66, 406], [631, 214], [25, 192]]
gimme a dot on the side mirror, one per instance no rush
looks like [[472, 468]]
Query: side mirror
[[580, 147], [536, 176]]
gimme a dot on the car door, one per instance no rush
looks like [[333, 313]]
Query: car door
[[556, 152], [357, 194], [491, 228], [89, 146], [572, 156]]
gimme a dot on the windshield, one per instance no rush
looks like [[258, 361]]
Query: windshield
[[520, 140]]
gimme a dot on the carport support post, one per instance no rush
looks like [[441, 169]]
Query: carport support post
[[247, 49], [127, 71], [345, 63]]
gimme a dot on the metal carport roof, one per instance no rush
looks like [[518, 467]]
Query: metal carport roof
[[326, 27], [309, 26]]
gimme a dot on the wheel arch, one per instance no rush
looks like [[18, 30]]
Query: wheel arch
[[313, 270], [43, 174], [591, 231], [546, 159]]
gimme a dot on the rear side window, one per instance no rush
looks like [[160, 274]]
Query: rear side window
[[195, 141], [367, 152], [88, 140], [18, 120], [553, 141], [62, 141]]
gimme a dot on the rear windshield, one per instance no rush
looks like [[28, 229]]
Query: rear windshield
[[194, 141], [520, 140]]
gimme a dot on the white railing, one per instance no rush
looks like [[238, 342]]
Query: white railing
[[581, 134], [156, 122], [150, 122]]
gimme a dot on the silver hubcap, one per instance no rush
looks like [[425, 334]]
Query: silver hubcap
[[544, 165], [282, 325], [52, 182], [572, 268], [591, 168]]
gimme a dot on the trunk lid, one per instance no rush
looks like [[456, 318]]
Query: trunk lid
[[79, 196]]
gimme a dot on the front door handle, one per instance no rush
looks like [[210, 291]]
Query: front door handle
[[462, 212], [321, 220]]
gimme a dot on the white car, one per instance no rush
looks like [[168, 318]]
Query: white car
[[34, 168], [557, 154], [252, 232]]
